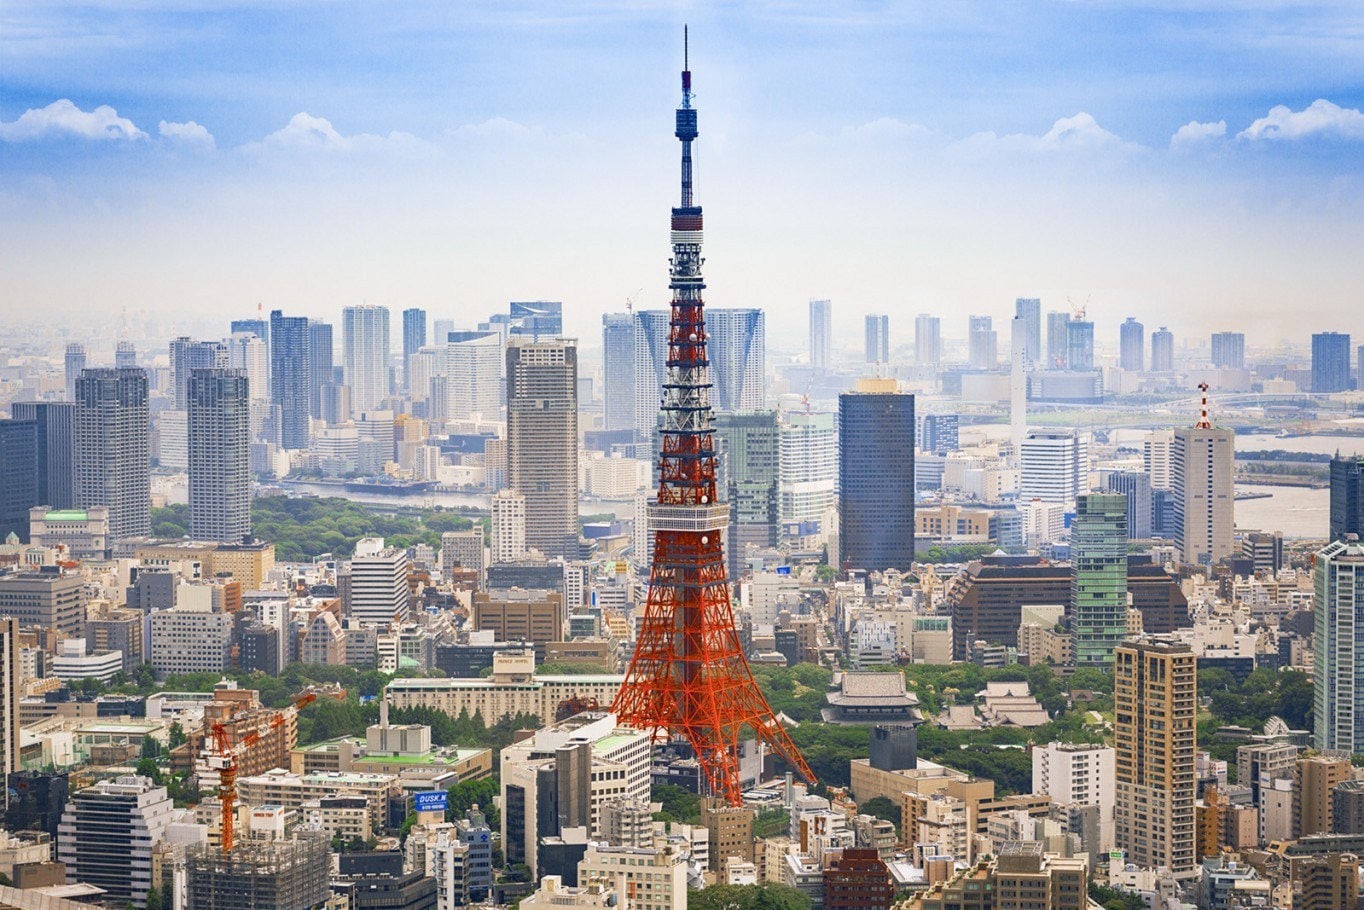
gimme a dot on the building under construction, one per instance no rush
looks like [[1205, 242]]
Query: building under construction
[[261, 875]]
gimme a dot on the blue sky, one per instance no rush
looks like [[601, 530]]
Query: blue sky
[[1196, 164]]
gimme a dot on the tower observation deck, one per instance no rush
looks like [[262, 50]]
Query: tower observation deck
[[689, 678]]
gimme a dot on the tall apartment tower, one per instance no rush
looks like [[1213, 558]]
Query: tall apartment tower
[[364, 355], [651, 366], [414, 338], [1080, 345], [1155, 710], [878, 339], [1338, 665], [219, 456], [1054, 466], [927, 340], [18, 475], [188, 355], [75, 365], [738, 359], [1098, 577], [1058, 341], [1132, 345], [10, 693], [750, 450], [618, 369], [56, 448], [291, 377], [321, 357], [1162, 351], [542, 441], [248, 352], [1330, 362], [821, 334], [508, 526], [1029, 309], [983, 343], [1201, 476], [1347, 495], [112, 446], [1229, 350], [378, 583], [876, 476]]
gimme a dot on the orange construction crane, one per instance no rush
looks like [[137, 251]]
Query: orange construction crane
[[224, 759]]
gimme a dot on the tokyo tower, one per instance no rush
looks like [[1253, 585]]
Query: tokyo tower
[[688, 678]]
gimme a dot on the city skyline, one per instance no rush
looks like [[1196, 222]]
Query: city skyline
[[1118, 155]]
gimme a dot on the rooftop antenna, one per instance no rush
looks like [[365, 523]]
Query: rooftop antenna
[[1203, 422]]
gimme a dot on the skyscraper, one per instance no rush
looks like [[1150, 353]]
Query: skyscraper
[[112, 449], [618, 369], [1338, 663], [247, 352], [542, 441], [378, 583], [876, 476], [414, 338], [1132, 346], [927, 340], [1098, 577], [108, 836], [508, 526], [1155, 709], [291, 376], [738, 359], [219, 456], [1330, 362], [18, 475], [983, 343], [821, 334], [364, 355], [1136, 487], [1054, 466], [1347, 496], [878, 339], [473, 375], [321, 357], [1029, 309], [1201, 474], [11, 690], [56, 449], [1162, 351], [188, 355], [75, 364], [1229, 350], [1079, 345], [651, 366], [1058, 341], [125, 355], [538, 320], [258, 327]]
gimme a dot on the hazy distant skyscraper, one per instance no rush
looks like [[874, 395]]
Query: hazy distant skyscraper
[[1162, 351], [750, 444], [56, 449], [542, 441], [1330, 362], [1136, 487], [821, 334], [1029, 309], [473, 375], [112, 445], [1347, 496], [983, 343], [258, 327], [878, 339], [291, 376], [1098, 577], [414, 338], [1080, 344], [1201, 473], [441, 328], [219, 456], [1132, 346], [927, 340], [738, 358], [321, 357], [364, 355], [618, 369], [125, 356], [539, 320], [1229, 350], [246, 351], [187, 355], [651, 365], [1058, 341], [75, 363], [18, 475], [1053, 466], [876, 477]]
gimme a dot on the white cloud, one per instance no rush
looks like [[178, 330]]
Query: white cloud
[[495, 128], [888, 128], [1194, 133], [1068, 134], [304, 132], [1321, 117], [187, 133], [63, 118]]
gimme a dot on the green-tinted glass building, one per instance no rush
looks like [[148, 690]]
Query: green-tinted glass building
[[1098, 577]]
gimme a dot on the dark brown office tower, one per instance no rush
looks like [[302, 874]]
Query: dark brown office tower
[[1157, 596], [987, 600], [858, 881]]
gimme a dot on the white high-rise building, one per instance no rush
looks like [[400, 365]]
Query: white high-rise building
[[378, 583], [1155, 458], [219, 455], [542, 441], [651, 366], [1338, 667], [509, 526], [364, 355], [927, 340], [738, 364], [1201, 474], [821, 334], [473, 371], [1054, 466], [172, 440], [1080, 774], [109, 833], [809, 466], [249, 353]]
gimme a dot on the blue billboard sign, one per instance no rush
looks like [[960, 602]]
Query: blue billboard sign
[[431, 801]]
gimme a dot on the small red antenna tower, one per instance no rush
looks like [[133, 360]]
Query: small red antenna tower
[[1203, 422]]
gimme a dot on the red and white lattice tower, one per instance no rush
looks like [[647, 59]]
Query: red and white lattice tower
[[689, 678]]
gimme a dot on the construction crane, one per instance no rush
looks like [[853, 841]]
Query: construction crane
[[630, 301], [1079, 311], [224, 761]]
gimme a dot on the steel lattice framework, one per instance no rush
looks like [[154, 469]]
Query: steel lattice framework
[[689, 677]]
